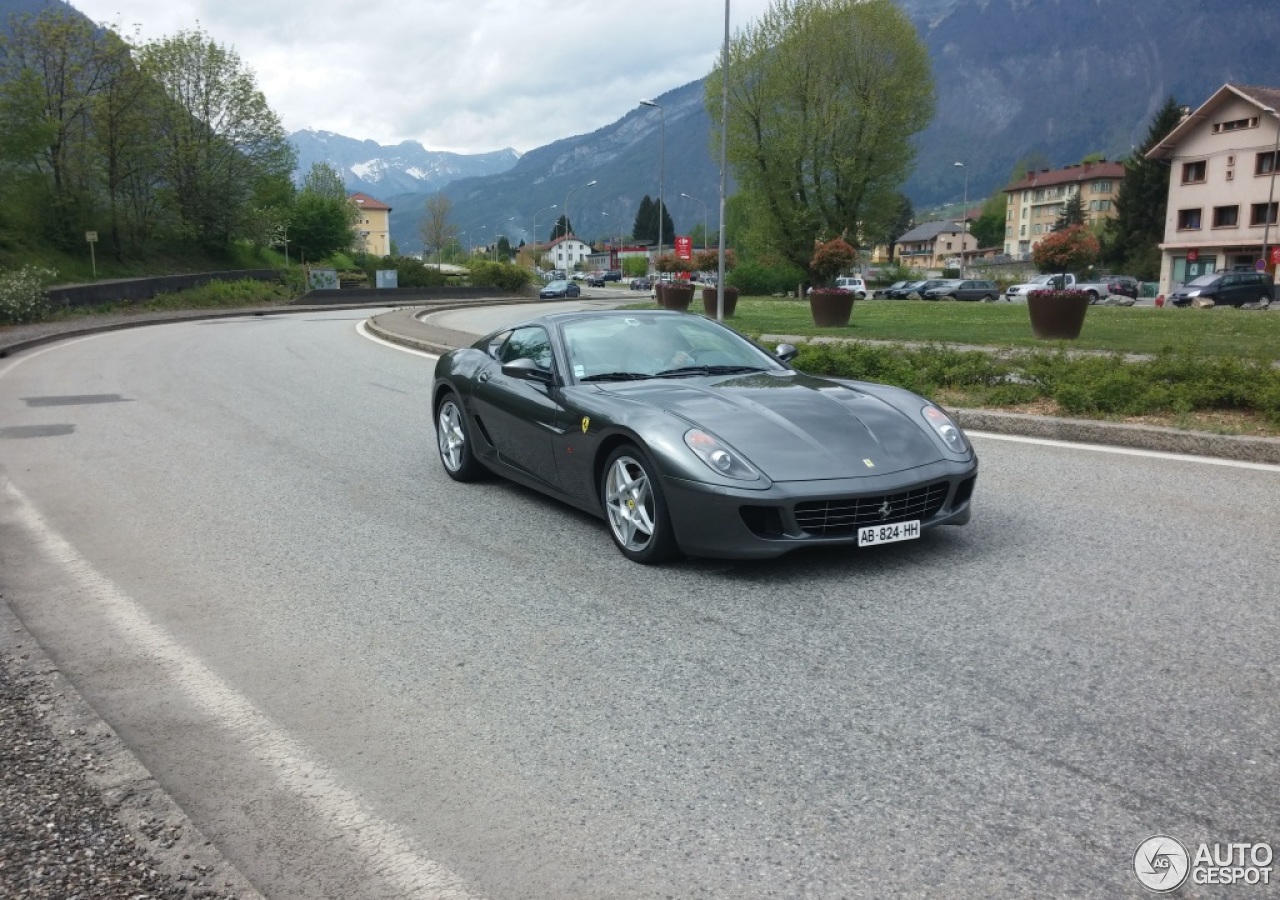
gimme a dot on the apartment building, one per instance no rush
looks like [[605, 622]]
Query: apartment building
[[1222, 201], [373, 225], [1034, 203]]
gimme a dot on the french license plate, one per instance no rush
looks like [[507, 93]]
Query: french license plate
[[887, 534]]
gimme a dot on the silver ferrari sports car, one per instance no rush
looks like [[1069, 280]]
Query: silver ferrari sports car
[[688, 438]]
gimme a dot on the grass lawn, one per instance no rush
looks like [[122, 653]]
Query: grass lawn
[[1115, 328]]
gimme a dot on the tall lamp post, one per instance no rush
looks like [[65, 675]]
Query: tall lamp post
[[964, 217], [662, 164], [724, 158], [704, 216], [567, 261], [1271, 194]]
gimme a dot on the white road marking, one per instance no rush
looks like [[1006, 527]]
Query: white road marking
[[369, 335], [340, 810], [1127, 451]]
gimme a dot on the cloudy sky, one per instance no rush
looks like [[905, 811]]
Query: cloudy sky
[[463, 75]]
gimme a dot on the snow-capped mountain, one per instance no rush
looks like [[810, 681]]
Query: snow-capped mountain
[[382, 170]]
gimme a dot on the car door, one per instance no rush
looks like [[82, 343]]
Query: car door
[[521, 417]]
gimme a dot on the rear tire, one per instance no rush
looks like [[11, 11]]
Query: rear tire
[[453, 440], [636, 508]]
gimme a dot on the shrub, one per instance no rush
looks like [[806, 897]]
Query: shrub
[[22, 295], [763, 280], [830, 258], [505, 276]]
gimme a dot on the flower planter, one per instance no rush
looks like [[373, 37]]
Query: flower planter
[[710, 301], [677, 296], [831, 307], [1057, 315]]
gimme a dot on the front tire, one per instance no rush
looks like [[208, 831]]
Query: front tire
[[453, 440], [636, 508]]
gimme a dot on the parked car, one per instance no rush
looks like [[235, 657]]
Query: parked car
[[1125, 285], [854, 283], [899, 293], [682, 449], [560, 288], [945, 288], [885, 291], [643, 283], [972, 289], [916, 291], [595, 279], [1226, 289], [612, 275]]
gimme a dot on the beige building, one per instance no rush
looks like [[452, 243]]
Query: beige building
[[373, 226], [1222, 202], [1033, 204], [936, 245]]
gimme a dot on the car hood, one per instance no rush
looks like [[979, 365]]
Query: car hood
[[795, 427]]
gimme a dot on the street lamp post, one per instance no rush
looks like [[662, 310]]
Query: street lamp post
[[1271, 194], [662, 164], [704, 216], [964, 217], [567, 262], [724, 158]]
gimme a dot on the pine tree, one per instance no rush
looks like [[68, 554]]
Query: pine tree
[[1134, 235], [1072, 213]]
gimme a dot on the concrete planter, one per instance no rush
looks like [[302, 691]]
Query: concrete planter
[[830, 307], [1057, 315]]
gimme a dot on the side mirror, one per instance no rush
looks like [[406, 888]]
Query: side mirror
[[526, 369], [786, 352]]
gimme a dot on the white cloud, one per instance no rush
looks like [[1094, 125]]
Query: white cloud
[[455, 75]]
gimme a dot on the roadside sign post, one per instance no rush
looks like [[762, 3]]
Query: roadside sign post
[[92, 238]]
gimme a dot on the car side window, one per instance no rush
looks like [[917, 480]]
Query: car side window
[[495, 345], [532, 343]]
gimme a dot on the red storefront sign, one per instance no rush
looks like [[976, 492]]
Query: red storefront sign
[[1193, 255], [684, 247]]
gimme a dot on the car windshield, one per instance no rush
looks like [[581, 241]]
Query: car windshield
[[618, 348], [557, 286]]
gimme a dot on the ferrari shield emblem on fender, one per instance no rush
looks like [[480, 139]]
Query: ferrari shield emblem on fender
[[586, 423]]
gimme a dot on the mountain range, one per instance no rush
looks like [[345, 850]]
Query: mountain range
[[1054, 80]]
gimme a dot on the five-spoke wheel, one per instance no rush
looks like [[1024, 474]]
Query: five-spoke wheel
[[453, 441], [636, 508]]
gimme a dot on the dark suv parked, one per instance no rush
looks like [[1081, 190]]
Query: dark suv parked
[[1126, 285], [1226, 289], [986, 291]]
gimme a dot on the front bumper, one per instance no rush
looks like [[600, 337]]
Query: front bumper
[[734, 523]]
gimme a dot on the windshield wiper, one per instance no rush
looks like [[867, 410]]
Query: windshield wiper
[[617, 376], [710, 370]]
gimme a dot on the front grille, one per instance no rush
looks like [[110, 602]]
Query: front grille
[[833, 518]]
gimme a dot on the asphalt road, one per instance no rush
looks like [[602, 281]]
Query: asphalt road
[[364, 680]]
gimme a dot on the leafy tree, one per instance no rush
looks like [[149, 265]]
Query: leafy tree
[[434, 227], [322, 218], [220, 136], [1071, 250], [52, 68], [1072, 213], [903, 220], [1133, 236], [825, 98], [988, 228]]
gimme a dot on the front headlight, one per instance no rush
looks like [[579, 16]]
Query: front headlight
[[718, 457], [946, 428], [1195, 293]]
